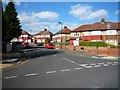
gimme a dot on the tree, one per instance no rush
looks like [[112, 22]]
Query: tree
[[3, 26], [12, 23], [47, 40]]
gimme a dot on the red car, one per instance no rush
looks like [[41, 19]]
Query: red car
[[49, 46]]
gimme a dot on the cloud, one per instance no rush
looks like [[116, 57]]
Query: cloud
[[84, 12], [46, 15], [117, 12], [18, 2], [25, 18], [33, 22], [53, 27]]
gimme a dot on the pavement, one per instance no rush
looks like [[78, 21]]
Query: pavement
[[10, 59]]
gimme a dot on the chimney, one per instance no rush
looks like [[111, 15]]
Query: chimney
[[102, 21], [45, 29], [65, 27]]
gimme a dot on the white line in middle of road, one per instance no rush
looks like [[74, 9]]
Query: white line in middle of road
[[106, 65], [33, 74], [78, 68], [51, 72], [11, 77], [65, 70]]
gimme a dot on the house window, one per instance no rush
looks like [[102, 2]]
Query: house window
[[76, 34]]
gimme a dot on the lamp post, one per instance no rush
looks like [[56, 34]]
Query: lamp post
[[30, 36], [61, 35]]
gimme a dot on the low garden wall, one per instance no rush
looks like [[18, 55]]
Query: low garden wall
[[92, 50]]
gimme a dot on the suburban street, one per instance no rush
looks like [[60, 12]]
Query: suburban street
[[53, 68], [62, 69]]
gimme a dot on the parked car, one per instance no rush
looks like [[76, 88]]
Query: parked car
[[49, 46], [40, 44], [26, 45], [17, 44]]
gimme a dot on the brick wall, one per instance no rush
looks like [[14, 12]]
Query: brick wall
[[93, 50]]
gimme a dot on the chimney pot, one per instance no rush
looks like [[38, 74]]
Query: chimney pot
[[65, 27], [102, 21]]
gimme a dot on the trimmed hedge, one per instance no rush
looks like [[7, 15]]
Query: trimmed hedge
[[63, 43], [98, 44]]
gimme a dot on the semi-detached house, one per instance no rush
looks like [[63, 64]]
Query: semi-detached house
[[42, 35], [62, 35], [25, 37], [108, 32]]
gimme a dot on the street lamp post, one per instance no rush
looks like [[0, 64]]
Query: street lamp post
[[61, 35]]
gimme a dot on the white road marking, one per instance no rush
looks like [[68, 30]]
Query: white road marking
[[115, 62], [64, 59], [83, 65], [97, 66], [88, 66], [51, 72], [78, 68], [101, 63], [33, 74], [54, 55], [19, 62], [94, 57], [106, 65], [65, 70], [109, 62], [11, 77], [92, 64], [72, 61]]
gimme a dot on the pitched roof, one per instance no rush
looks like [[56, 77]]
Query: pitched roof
[[44, 32], [25, 33], [98, 26], [64, 31]]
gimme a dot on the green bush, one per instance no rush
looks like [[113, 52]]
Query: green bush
[[97, 44], [63, 43], [113, 46]]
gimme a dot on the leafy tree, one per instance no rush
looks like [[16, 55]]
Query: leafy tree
[[47, 40], [12, 23]]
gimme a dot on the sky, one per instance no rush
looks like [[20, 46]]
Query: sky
[[36, 16]]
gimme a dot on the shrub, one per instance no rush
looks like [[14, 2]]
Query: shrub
[[97, 44], [63, 43]]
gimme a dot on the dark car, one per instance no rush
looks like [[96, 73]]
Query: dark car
[[49, 46], [17, 44], [26, 45]]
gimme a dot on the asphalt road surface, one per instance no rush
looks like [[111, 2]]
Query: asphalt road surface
[[61, 69]]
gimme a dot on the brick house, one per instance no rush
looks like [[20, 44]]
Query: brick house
[[25, 37], [100, 31], [42, 35], [62, 35]]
